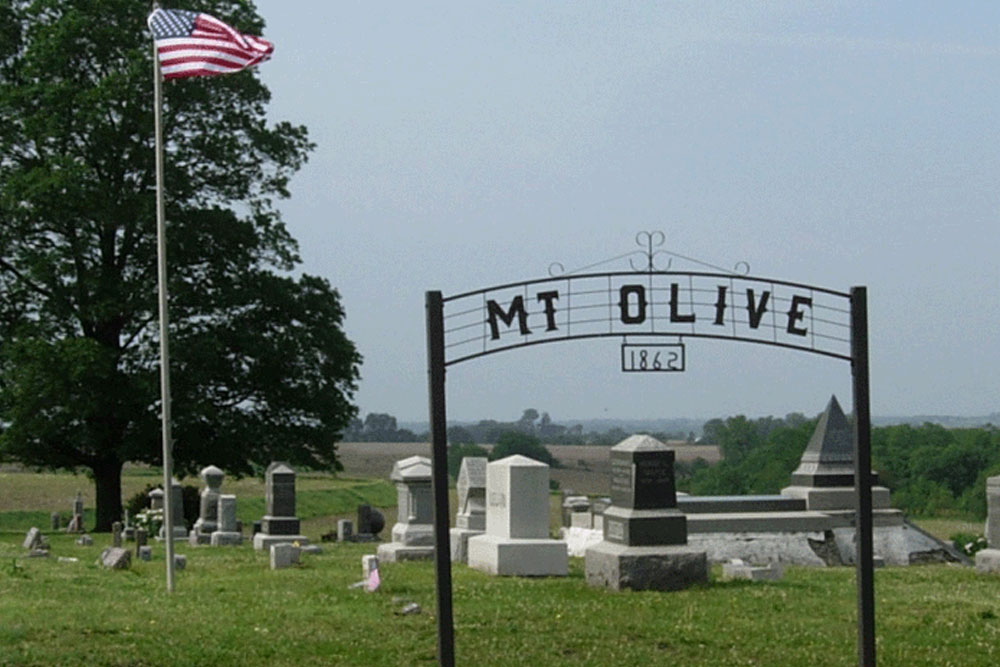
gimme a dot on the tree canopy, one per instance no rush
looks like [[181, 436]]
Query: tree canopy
[[260, 366]]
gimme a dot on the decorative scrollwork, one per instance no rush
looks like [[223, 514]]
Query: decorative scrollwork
[[652, 255]]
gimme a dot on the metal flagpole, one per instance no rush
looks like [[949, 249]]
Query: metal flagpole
[[161, 254]]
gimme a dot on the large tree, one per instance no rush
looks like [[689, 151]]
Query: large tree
[[260, 366]]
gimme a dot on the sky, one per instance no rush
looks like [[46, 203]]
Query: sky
[[462, 145]]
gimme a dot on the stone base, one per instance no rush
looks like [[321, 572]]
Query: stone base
[[394, 551], [196, 538], [514, 557], [220, 539], [741, 570], [988, 561], [644, 527], [835, 498], [459, 539], [264, 541], [655, 568]]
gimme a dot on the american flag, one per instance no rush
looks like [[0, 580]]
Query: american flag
[[193, 44]]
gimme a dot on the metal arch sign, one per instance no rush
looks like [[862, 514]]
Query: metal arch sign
[[661, 303], [655, 303]]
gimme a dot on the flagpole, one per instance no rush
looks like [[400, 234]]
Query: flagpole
[[161, 253]]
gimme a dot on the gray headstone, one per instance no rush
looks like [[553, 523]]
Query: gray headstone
[[85, 540], [993, 512], [229, 532], [78, 504], [369, 562], [32, 539], [279, 501], [283, 554], [116, 558], [180, 561], [345, 529], [55, 520], [156, 499], [145, 552], [141, 537], [116, 534], [208, 505]]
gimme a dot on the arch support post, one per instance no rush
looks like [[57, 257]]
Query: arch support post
[[864, 556], [439, 476]]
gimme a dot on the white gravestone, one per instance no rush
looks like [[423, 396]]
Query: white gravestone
[[517, 540], [227, 533], [470, 519], [176, 512], [413, 533], [208, 506]]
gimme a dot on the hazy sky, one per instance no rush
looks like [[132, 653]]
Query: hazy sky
[[467, 144]]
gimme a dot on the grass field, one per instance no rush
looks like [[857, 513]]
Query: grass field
[[229, 608]]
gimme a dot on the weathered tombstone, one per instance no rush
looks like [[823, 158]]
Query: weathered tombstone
[[283, 554], [369, 562], [413, 533], [516, 541], [128, 530], [208, 507], [470, 520], [574, 505], [76, 522], [145, 552], [279, 523], [988, 559], [228, 532], [737, 569], [645, 536], [33, 539], [116, 558], [55, 520], [176, 512], [116, 534], [370, 524], [345, 530], [180, 561], [156, 499], [85, 540], [141, 538]]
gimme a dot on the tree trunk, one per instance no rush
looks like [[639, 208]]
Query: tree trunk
[[108, 481]]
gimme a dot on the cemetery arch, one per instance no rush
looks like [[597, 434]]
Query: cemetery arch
[[647, 306]]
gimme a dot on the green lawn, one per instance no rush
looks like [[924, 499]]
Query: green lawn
[[229, 608]]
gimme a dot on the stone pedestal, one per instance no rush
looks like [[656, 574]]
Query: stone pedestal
[[988, 561], [279, 524], [645, 536], [208, 507], [470, 519], [228, 533], [413, 533], [517, 541]]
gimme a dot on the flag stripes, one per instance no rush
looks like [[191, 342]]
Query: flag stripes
[[193, 44]]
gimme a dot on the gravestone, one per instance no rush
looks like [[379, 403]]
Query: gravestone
[[208, 507], [228, 532], [128, 530], [156, 499], [470, 520], [145, 552], [574, 504], [176, 511], [988, 559], [736, 568], [141, 538], [369, 562], [283, 554], [370, 524], [279, 523], [55, 520], [116, 534], [413, 533], [180, 561], [516, 541], [76, 522], [85, 540], [645, 536], [33, 539], [345, 530], [116, 558]]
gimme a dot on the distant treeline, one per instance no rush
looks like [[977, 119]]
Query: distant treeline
[[929, 469], [381, 427]]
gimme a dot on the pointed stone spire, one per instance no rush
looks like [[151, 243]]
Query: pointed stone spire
[[829, 458]]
